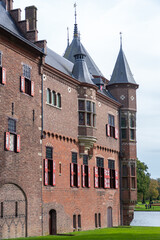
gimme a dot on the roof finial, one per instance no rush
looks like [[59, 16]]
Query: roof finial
[[67, 36], [120, 39], [75, 25]]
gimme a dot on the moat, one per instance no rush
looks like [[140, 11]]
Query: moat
[[147, 219]]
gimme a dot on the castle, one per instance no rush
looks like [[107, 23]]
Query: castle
[[67, 135]]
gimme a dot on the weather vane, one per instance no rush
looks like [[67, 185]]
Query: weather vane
[[75, 5], [120, 39]]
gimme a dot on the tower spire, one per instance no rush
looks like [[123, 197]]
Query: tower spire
[[67, 36], [120, 39], [75, 25]]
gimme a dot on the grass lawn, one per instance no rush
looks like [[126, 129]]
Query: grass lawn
[[141, 207], [119, 233]]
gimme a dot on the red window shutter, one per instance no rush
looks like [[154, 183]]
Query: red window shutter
[[108, 130], [96, 177], [83, 175], [18, 143], [46, 172], [106, 178], [32, 88], [89, 177], [116, 179], [54, 172], [72, 173], [22, 84], [116, 133], [3, 75], [79, 172], [7, 141]]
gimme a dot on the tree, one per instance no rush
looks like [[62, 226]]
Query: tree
[[158, 180], [143, 179], [153, 189]]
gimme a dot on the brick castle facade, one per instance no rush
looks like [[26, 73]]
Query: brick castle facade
[[67, 135]]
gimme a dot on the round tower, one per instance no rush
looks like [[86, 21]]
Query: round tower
[[123, 87]]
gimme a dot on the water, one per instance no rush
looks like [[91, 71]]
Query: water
[[149, 219]]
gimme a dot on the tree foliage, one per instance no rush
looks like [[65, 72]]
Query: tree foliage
[[153, 189], [143, 179]]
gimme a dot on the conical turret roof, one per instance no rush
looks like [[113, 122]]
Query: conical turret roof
[[121, 72], [80, 69], [71, 50]]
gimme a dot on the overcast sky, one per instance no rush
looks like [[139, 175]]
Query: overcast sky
[[99, 23]]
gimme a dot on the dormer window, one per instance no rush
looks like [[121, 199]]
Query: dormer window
[[87, 114]]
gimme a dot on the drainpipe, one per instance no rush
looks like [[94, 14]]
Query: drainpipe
[[42, 140]]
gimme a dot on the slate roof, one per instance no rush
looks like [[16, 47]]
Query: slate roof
[[71, 51], [7, 21], [121, 72], [81, 70], [55, 60]]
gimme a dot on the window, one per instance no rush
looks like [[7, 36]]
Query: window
[[16, 209], [11, 125], [49, 168], [27, 86], [2, 71], [124, 176], [26, 71], [48, 95], [132, 125], [79, 221], [102, 175], [111, 122], [87, 114], [54, 100], [0, 59], [100, 165], [49, 151], [1, 209], [124, 126], [74, 222], [85, 172], [96, 222], [99, 220], [75, 171], [58, 100], [12, 140], [111, 166], [133, 175], [124, 171]]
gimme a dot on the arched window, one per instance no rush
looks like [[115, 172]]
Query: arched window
[[58, 100], [48, 95], [54, 98]]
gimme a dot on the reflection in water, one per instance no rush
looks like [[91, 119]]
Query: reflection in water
[[151, 219]]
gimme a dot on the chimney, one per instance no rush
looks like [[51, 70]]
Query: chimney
[[31, 15], [8, 4]]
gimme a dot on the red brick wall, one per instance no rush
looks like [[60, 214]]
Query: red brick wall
[[67, 200], [22, 169]]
